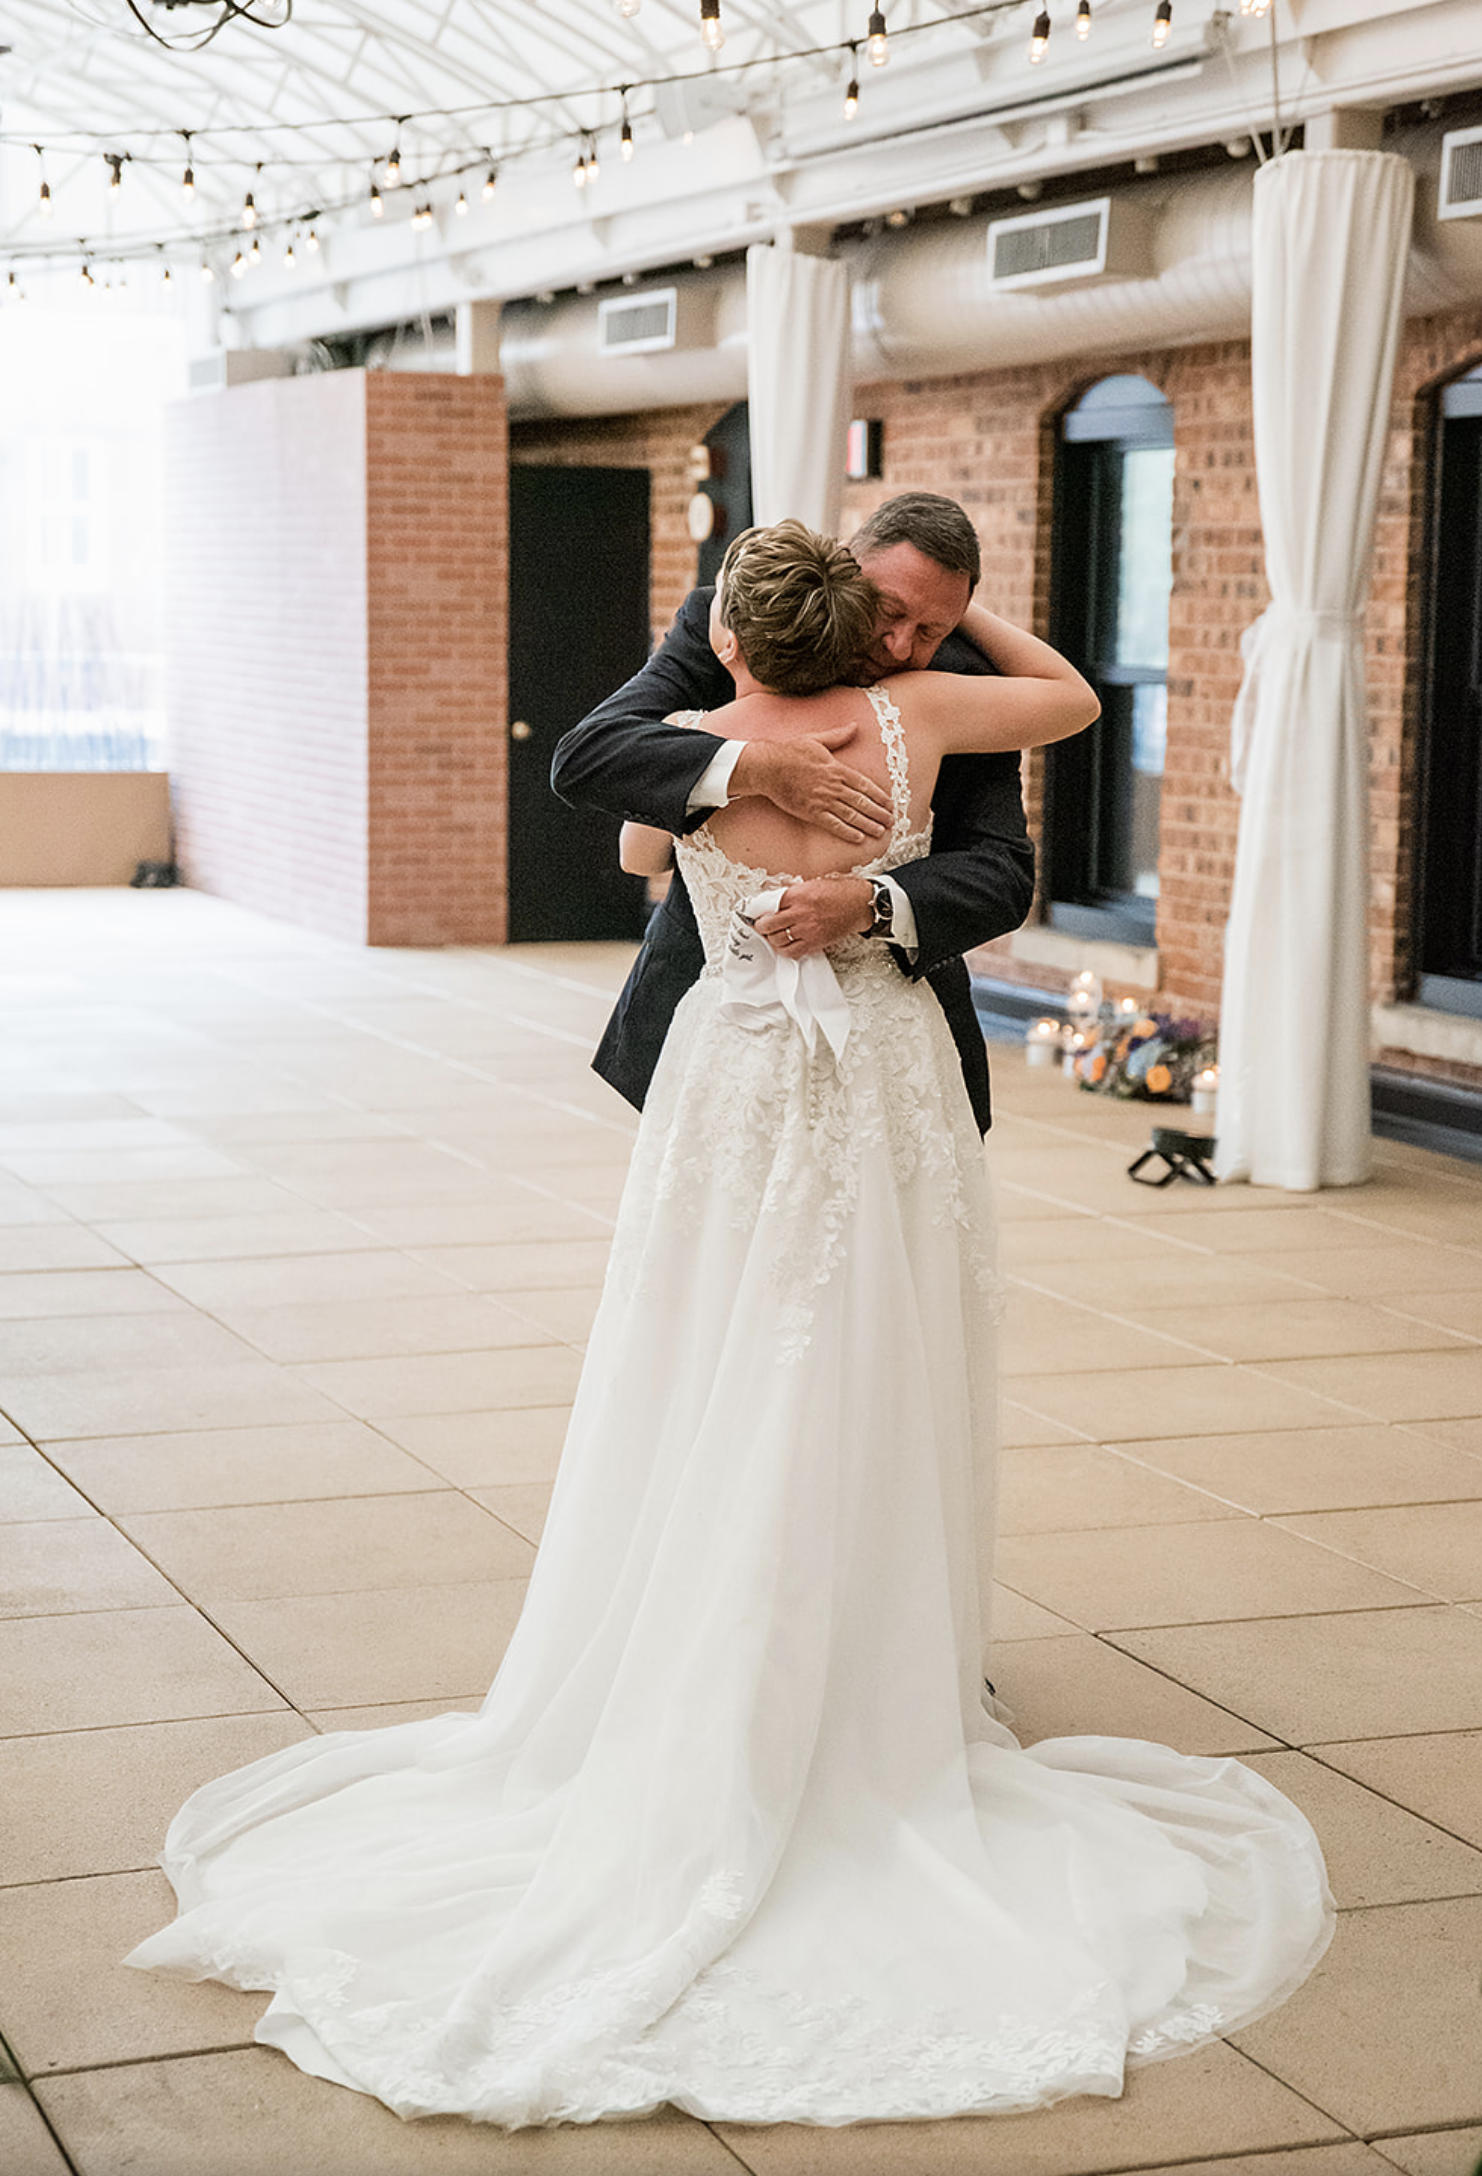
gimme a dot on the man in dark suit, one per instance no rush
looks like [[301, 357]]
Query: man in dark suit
[[975, 884]]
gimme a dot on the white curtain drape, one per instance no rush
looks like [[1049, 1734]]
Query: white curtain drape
[[799, 384], [1329, 240]]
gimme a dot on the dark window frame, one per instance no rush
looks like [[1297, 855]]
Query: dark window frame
[[1083, 808]]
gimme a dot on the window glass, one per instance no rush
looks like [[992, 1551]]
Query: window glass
[[1145, 557]]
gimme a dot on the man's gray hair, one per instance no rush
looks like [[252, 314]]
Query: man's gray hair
[[937, 527]]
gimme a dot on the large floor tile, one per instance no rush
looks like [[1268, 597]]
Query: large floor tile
[[30, 1488], [99, 1801], [63, 1245], [127, 1199], [1317, 1469], [250, 2113], [1043, 1334], [27, 2147], [568, 1315], [297, 1280], [52, 1566], [196, 1468], [460, 1382], [1292, 1328], [346, 1545], [1377, 1852], [369, 1329], [1190, 1574], [69, 2001], [124, 1344], [39, 1294], [1169, 1277], [1203, 2104], [1437, 2153], [1072, 1687], [485, 1450], [1396, 1386], [1434, 1546], [1056, 1490], [1384, 2034], [539, 1266], [124, 1666], [1438, 1775], [1127, 1406], [522, 1506], [369, 1648], [216, 1239], [1388, 1269], [1460, 1435], [158, 1401], [1246, 1220], [515, 1217], [1349, 1675]]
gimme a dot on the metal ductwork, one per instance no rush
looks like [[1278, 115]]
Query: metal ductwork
[[925, 304]]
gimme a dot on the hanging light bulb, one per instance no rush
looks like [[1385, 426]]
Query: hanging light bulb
[[165, 280], [254, 255], [188, 178], [1083, 19], [43, 202], [290, 262], [593, 169], [625, 133], [85, 276], [1162, 23], [490, 181], [710, 29], [113, 160], [239, 266], [851, 96], [461, 207], [629, 8], [377, 207], [579, 171], [1254, 7], [879, 44], [393, 169], [207, 275], [1039, 37], [249, 210]]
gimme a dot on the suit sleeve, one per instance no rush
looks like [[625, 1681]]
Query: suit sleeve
[[623, 759], [978, 880]]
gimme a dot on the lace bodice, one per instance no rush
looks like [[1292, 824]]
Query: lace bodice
[[717, 883]]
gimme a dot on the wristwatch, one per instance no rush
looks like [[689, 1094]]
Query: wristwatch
[[882, 910]]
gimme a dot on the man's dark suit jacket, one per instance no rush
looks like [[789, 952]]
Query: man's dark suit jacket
[[975, 884]]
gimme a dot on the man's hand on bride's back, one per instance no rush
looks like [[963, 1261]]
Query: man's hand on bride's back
[[806, 779]]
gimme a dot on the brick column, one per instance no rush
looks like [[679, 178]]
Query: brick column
[[337, 651]]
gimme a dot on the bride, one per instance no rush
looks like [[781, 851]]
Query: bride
[[733, 1829]]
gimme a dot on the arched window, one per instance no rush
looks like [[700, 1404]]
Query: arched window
[[1112, 575], [1450, 919]]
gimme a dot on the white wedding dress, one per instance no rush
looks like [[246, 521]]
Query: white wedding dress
[[733, 1829]]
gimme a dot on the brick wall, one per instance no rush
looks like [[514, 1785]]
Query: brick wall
[[337, 616], [437, 559], [659, 442]]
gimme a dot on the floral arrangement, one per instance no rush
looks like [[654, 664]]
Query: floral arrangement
[[1154, 1057]]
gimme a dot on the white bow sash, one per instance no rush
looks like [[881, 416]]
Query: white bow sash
[[762, 986]]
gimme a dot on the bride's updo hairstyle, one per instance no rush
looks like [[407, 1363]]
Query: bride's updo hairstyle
[[800, 609]]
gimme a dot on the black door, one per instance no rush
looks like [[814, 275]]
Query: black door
[[578, 628], [1451, 822]]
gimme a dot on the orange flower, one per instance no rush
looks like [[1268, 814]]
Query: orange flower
[[1159, 1080], [1098, 1067], [1144, 1027]]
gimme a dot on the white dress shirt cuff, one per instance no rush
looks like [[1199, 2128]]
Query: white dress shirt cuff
[[903, 922], [712, 789]]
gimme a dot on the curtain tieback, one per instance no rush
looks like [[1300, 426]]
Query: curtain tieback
[[1277, 620]]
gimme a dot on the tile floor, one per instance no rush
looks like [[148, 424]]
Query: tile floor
[[298, 1245]]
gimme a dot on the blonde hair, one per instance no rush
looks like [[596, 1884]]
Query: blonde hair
[[800, 609]]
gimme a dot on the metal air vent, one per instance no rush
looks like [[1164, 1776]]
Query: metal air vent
[[1101, 239], [638, 324], [1461, 175]]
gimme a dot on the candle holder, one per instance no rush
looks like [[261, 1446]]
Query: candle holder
[[1042, 1042]]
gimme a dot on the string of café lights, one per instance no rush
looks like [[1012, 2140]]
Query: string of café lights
[[245, 234]]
